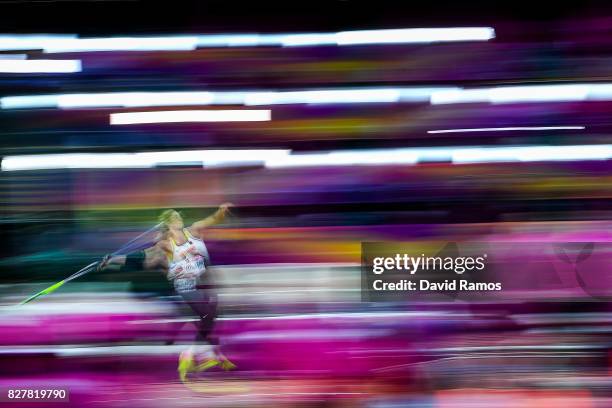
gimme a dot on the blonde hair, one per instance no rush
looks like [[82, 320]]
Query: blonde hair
[[166, 218]]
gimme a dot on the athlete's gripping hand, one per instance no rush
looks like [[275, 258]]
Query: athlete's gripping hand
[[103, 263]]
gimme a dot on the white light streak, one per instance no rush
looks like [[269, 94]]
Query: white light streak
[[506, 129], [20, 66], [72, 43], [415, 35], [525, 94], [207, 158], [203, 98], [129, 118]]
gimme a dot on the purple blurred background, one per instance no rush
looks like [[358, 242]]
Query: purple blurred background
[[500, 136]]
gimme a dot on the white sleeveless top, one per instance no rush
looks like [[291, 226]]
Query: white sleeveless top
[[188, 263]]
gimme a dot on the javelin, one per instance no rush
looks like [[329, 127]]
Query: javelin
[[125, 249]]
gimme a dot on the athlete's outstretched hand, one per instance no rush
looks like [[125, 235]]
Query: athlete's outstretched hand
[[224, 209], [198, 227]]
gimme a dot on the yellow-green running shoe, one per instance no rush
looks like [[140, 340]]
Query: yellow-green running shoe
[[186, 364], [210, 363], [227, 365]]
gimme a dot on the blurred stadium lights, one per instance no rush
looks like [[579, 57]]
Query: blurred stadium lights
[[415, 35], [506, 129], [170, 43], [31, 41], [447, 154], [207, 158], [13, 56], [324, 97], [435, 95], [532, 153], [18, 66], [393, 36], [71, 43], [249, 98], [283, 158], [525, 93], [129, 118]]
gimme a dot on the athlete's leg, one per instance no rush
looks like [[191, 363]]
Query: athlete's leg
[[204, 306], [206, 350], [207, 307], [188, 359]]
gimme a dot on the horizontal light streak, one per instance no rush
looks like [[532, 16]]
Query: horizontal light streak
[[286, 159], [324, 97], [190, 116], [457, 155], [13, 56], [21, 66], [207, 158], [507, 129], [16, 42], [525, 94], [532, 153], [202, 98], [415, 35], [171, 43], [434, 95], [72, 43]]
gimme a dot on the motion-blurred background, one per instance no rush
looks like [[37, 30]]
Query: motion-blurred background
[[325, 131]]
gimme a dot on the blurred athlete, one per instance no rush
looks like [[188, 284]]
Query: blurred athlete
[[181, 255]]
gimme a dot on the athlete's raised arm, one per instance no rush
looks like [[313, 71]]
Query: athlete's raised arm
[[198, 227]]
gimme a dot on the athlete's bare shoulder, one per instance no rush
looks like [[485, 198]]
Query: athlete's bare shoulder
[[164, 245], [161, 247]]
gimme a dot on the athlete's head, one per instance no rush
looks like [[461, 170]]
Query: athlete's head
[[170, 220]]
